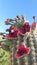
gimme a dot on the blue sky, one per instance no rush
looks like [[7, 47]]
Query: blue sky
[[11, 8]]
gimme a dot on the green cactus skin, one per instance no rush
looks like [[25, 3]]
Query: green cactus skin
[[29, 59]]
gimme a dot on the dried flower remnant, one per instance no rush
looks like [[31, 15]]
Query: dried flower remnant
[[18, 17], [34, 17], [10, 20], [16, 20], [6, 22]]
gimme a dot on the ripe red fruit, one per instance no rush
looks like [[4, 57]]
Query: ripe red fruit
[[33, 26], [13, 35], [25, 28], [22, 50]]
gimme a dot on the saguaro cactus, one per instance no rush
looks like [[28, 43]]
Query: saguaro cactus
[[22, 33]]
